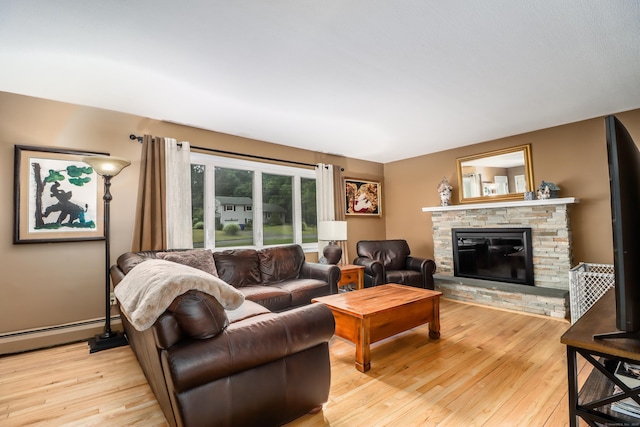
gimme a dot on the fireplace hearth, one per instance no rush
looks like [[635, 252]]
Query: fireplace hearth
[[500, 254]]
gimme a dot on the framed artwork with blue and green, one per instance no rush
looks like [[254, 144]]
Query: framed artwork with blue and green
[[57, 197]]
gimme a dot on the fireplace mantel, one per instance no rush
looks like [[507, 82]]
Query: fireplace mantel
[[508, 204]]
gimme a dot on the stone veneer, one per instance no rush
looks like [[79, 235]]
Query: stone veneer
[[534, 299], [552, 255]]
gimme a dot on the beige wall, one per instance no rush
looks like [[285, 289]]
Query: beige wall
[[45, 285], [574, 156], [52, 284]]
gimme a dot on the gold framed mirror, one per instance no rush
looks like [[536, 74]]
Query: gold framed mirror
[[497, 175]]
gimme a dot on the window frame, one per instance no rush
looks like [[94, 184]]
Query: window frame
[[258, 168]]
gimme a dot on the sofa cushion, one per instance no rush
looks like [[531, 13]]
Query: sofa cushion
[[246, 310], [199, 315], [280, 263], [238, 267], [304, 290], [202, 259], [271, 297], [405, 277]]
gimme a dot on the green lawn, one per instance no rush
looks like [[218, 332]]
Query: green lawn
[[273, 235]]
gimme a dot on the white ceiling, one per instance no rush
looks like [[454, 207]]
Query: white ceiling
[[369, 79]]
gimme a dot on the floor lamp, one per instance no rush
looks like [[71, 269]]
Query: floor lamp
[[107, 167]]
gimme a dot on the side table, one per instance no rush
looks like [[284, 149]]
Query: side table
[[351, 274], [592, 402]]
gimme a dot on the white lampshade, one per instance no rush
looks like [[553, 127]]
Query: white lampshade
[[106, 165], [332, 230]]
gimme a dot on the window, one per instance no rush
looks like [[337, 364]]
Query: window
[[308, 210], [239, 203]]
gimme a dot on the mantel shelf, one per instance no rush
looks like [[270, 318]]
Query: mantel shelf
[[508, 204]]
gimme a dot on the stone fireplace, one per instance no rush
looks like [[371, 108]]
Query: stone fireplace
[[548, 221]]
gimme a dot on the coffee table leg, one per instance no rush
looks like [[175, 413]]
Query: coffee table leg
[[363, 346], [434, 325]]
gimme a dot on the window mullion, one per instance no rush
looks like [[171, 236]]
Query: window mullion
[[258, 215], [297, 210], [210, 206]]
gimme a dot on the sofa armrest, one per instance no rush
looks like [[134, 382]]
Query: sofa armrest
[[247, 344], [425, 266], [328, 272], [373, 270], [116, 274]]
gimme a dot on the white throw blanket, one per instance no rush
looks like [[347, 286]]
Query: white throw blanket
[[151, 286]]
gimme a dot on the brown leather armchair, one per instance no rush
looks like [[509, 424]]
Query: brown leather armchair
[[390, 261]]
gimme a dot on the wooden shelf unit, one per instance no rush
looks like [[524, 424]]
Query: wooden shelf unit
[[592, 401]]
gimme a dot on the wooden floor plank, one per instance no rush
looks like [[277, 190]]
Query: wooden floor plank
[[489, 368]]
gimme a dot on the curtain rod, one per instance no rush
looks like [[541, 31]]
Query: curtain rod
[[139, 139]]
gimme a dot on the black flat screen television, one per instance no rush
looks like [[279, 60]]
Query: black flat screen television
[[624, 180]]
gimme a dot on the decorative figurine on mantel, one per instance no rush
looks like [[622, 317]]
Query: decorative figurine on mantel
[[548, 190], [444, 188]]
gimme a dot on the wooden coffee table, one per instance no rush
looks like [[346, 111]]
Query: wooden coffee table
[[369, 315]]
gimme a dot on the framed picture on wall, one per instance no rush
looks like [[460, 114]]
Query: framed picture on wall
[[363, 197], [57, 197]]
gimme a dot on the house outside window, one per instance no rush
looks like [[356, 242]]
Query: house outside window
[[245, 204]]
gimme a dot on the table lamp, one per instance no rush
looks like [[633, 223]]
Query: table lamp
[[332, 231]]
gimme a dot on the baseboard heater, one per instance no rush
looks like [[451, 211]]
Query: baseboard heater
[[95, 322]]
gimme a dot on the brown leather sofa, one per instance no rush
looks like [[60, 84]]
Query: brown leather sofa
[[245, 367], [390, 261], [278, 278]]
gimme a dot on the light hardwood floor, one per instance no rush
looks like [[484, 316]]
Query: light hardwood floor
[[489, 368]]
